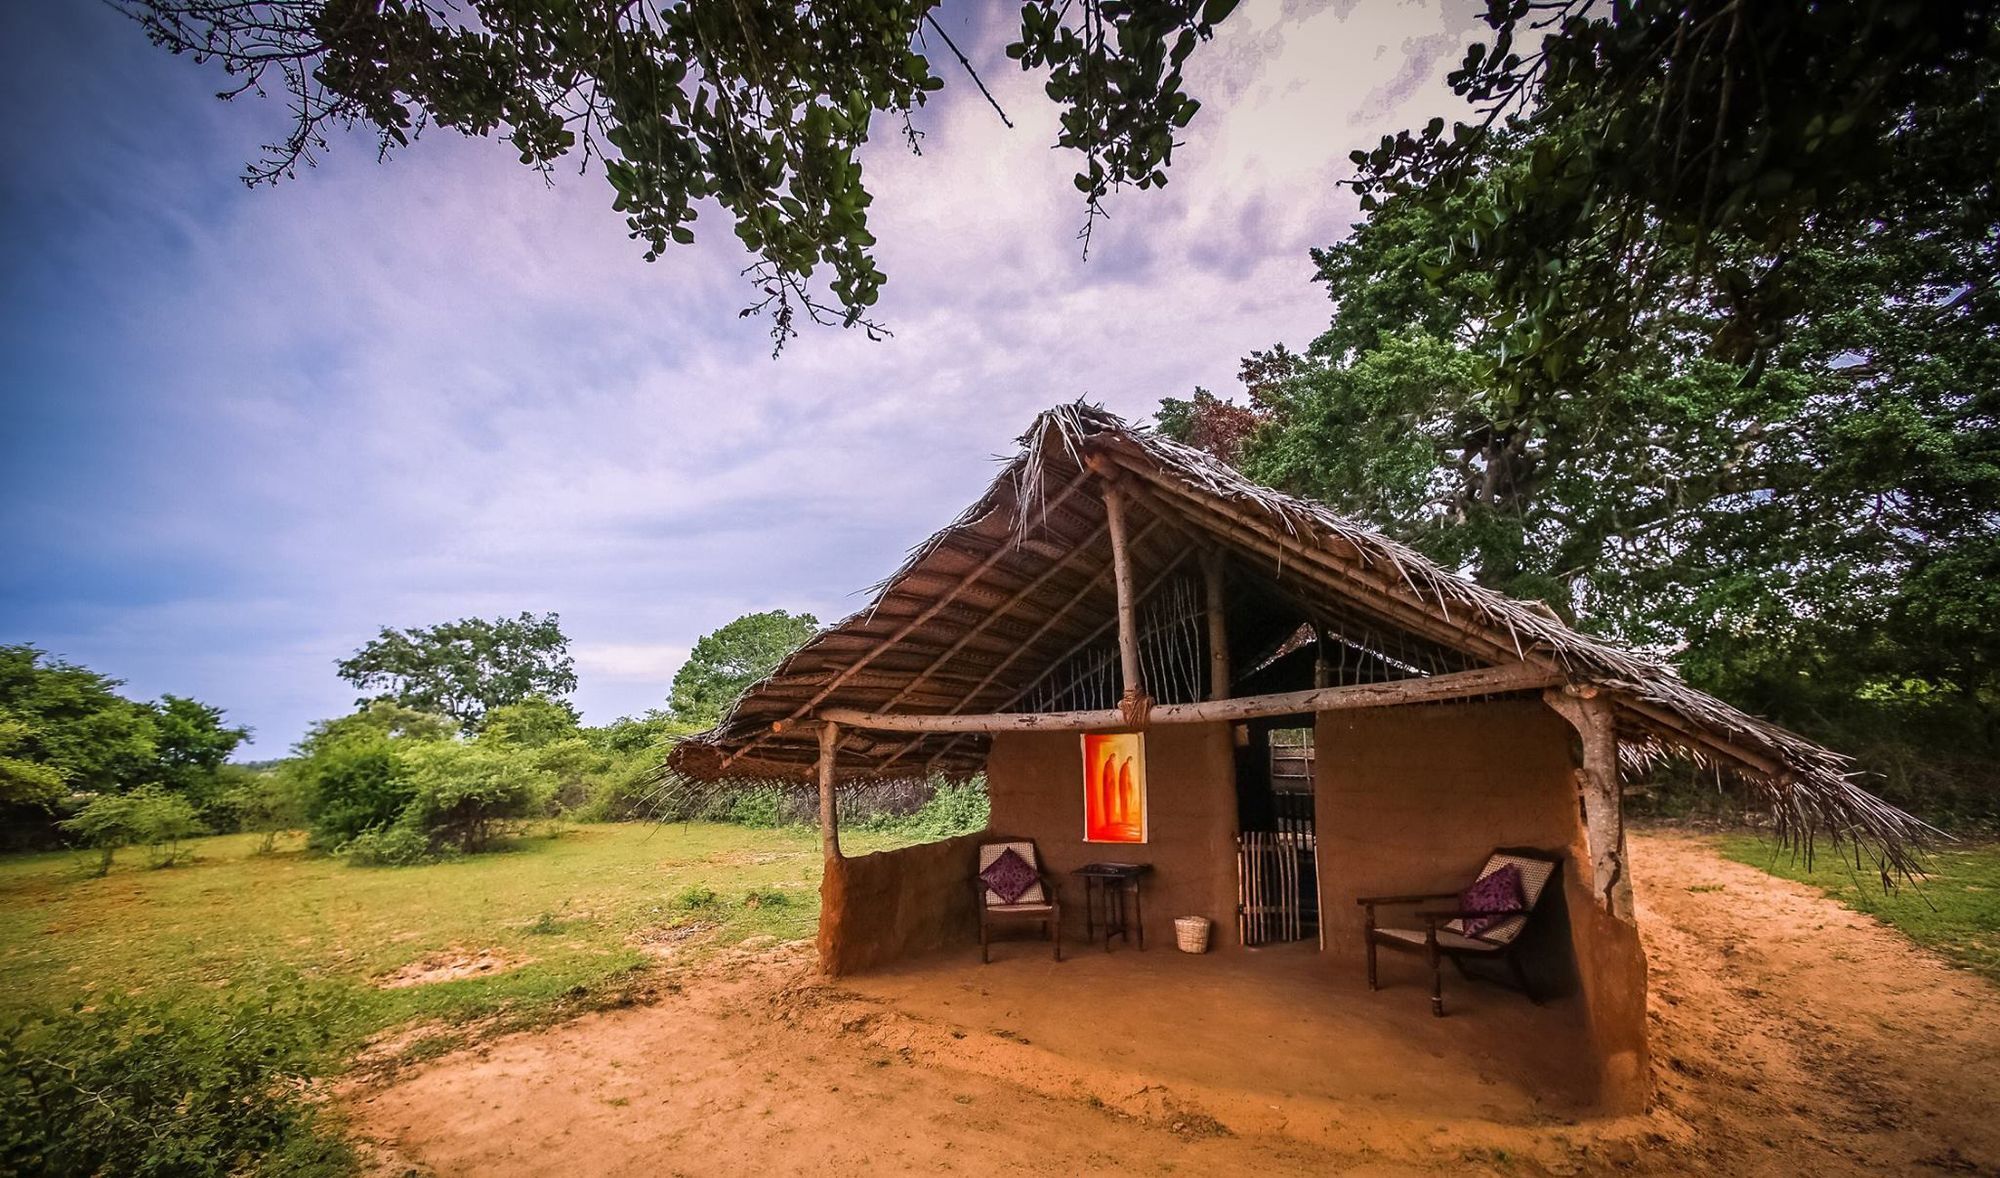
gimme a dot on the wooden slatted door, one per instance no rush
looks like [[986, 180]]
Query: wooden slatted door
[[1277, 886]]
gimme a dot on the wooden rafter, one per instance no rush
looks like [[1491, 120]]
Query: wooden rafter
[[1387, 598], [1000, 550], [1074, 554]]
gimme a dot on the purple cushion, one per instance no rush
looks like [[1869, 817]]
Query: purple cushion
[[1009, 876], [1499, 893]]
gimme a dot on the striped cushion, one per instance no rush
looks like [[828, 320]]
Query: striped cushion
[[988, 852], [1446, 939]]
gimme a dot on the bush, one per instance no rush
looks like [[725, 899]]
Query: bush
[[628, 790], [695, 896], [351, 776], [267, 802], [389, 846], [956, 808], [142, 1090], [760, 806], [148, 816], [352, 785], [465, 795]]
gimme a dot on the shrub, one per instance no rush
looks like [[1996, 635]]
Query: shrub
[[352, 785], [389, 846], [268, 802], [759, 806], [953, 808], [148, 816], [464, 795], [695, 896], [626, 791], [136, 1089]]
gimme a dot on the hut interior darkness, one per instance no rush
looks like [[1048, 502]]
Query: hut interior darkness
[[1324, 714]]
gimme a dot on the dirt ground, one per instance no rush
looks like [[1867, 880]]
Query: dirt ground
[[1790, 1036]]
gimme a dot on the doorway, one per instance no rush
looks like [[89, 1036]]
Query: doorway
[[1277, 845]]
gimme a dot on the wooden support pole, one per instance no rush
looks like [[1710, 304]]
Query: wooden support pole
[[1131, 676], [1218, 625], [1457, 685], [1598, 795], [829, 813]]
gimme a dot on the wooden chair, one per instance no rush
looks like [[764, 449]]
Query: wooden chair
[[1443, 933], [1037, 905]]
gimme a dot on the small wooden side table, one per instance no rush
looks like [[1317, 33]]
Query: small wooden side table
[[1109, 884]]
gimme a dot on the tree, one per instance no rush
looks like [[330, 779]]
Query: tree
[[190, 746], [535, 722], [65, 728], [1809, 527], [722, 664], [463, 668], [1692, 151], [758, 106]]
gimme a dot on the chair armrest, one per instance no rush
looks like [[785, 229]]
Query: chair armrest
[[1425, 898]]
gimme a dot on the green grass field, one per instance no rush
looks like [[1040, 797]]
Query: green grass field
[[1955, 910], [577, 905]]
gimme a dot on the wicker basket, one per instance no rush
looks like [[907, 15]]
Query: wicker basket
[[1191, 933]]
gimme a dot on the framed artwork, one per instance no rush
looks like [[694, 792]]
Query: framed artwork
[[1114, 787]]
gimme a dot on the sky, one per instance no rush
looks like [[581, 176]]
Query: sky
[[241, 430]]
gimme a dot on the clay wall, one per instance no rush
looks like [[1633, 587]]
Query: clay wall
[[879, 908], [1413, 799], [1036, 783]]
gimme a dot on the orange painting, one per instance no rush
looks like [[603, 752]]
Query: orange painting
[[1114, 788]]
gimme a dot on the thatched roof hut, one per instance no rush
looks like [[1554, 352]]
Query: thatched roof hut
[[1012, 609]]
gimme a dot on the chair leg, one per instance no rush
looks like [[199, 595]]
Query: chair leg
[[1521, 978], [1054, 928], [1437, 979], [985, 958], [1371, 965]]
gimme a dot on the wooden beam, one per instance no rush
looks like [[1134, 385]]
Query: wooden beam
[[1218, 625], [829, 812], [1131, 676], [1001, 548], [1458, 685], [1598, 796]]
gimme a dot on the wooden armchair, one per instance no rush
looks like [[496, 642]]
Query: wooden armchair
[[1038, 904], [1441, 933]]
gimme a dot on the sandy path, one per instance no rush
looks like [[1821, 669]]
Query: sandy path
[[1791, 1036]]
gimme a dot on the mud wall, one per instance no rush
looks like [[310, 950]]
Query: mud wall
[[1036, 783], [1413, 799], [879, 908]]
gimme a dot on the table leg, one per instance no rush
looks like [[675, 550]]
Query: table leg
[[1089, 926], [1139, 913]]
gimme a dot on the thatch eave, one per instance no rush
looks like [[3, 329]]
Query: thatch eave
[[1022, 560]]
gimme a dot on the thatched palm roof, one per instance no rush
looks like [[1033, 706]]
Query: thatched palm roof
[[1016, 592]]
